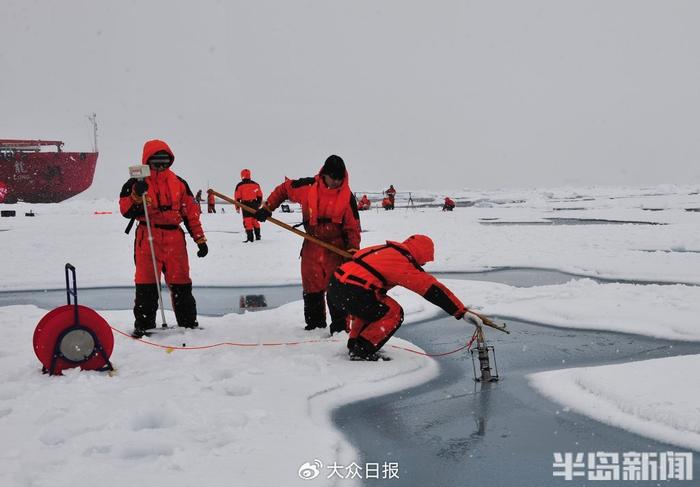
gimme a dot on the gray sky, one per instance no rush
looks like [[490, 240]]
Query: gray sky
[[424, 95]]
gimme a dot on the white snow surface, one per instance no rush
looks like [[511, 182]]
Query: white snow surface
[[656, 398], [252, 415]]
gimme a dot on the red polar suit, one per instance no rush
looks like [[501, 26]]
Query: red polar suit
[[329, 214], [211, 202], [364, 203], [391, 193], [250, 194], [449, 204], [169, 203], [359, 288]]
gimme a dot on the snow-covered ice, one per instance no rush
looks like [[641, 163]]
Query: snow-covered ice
[[657, 398], [253, 415]]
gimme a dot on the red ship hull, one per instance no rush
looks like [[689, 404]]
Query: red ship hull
[[45, 177]]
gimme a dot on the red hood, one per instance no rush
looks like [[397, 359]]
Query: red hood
[[421, 248], [153, 146]]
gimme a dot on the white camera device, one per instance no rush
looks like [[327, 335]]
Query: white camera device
[[140, 172]]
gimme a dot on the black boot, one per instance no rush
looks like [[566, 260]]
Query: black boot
[[361, 349], [145, 307], [314, 310], [184, 305], [257, 233], [249, 234], [338, 315]]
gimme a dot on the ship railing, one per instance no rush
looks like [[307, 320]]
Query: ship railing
[[28, 145]]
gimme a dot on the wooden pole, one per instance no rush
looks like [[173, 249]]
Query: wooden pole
[[487, 321], [275, 221]]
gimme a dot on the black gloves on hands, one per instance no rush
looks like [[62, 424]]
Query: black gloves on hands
[[140, 187], [203, 249], [262, 214]]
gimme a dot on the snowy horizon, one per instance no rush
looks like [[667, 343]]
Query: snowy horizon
[[420, 96]]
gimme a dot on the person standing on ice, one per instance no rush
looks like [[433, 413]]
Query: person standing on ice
[[391, 194], [358, 291], [211, 202], [249, 193], [330, 214], [198, 199], [169, 202]]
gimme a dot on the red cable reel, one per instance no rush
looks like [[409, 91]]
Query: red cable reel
[[73, 336]]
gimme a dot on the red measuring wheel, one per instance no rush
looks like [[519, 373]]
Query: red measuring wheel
[[73, 336]]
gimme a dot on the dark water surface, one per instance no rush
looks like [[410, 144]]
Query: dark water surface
[[569, 221], [454, 431], [212, 301]]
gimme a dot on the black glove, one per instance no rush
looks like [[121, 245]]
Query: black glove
[[262, 214], [203, 249], [140, 187]]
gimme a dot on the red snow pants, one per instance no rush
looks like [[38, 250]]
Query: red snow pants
[[249, 222], [370, 314], [317, 267], [170, 251]]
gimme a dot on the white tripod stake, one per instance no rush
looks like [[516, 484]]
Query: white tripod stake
[[140, 173]]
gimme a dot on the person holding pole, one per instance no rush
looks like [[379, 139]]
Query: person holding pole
[[161, 248], [358, 292], [330, 214], [250, 194]]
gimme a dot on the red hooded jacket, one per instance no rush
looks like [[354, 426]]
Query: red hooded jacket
[[329, 214], [169, 198], [381, 267]]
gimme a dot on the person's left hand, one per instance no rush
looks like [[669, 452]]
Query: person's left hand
[[262, 214], [203, 249]]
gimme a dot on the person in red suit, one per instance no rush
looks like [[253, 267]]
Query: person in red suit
[[211, 202], [358, 291], [169, 203], [364, 203], [330, 214], [250, 194], [449, 204], [391, 194]]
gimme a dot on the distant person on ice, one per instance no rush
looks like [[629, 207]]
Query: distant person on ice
[[358, 291], [391, 194], [249, 193], [211, 202], [169, 203], [387, 203], [330, 214], [449, 204], [364, 203]]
